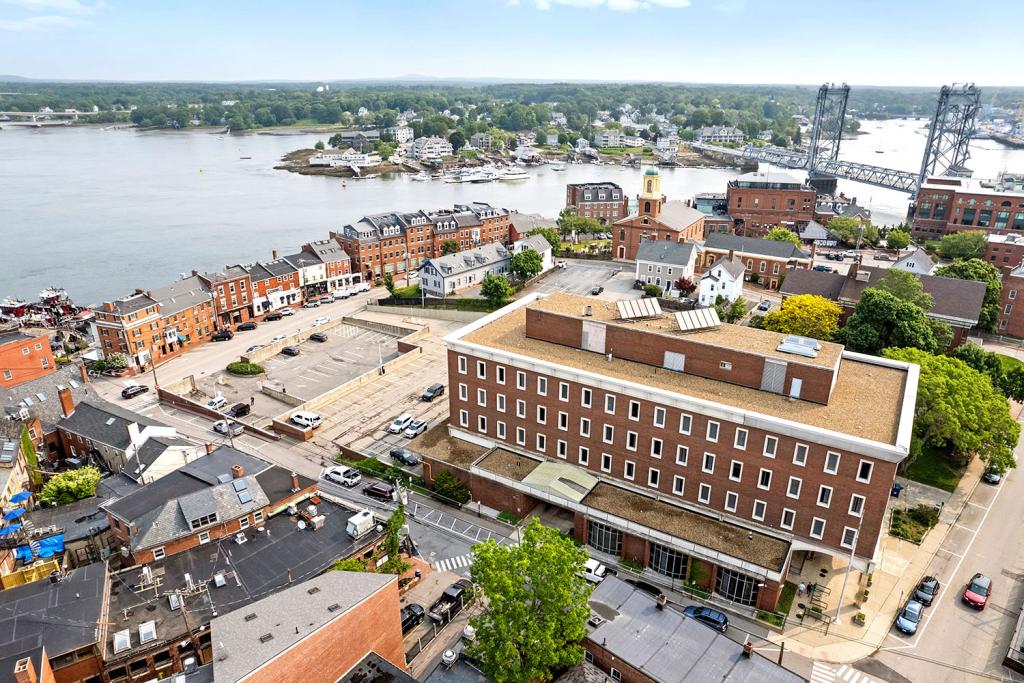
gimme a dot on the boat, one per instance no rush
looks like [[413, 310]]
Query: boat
[[421, 176], [557, 167], [879, 151], [514, 174], [437, 175], [368, 176], [245, 157]]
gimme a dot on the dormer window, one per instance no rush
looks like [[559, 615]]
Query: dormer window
[[204, 520]]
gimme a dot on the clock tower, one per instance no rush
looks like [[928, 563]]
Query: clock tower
[[650, 200]]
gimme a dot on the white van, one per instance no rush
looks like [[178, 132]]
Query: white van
[[307, 420], [216, 403]]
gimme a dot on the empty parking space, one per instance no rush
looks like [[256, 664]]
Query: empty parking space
[[580, 277]]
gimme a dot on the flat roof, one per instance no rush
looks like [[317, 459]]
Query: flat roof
[[438, 444], [508, 464], [858, 383]]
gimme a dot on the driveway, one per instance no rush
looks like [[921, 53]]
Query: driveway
[[580, 276]]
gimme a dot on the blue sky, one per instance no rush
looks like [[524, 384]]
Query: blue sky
[[901, 42]]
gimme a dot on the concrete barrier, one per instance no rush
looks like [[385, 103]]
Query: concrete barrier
[[281, 396], [271, 350], [383, 328], [435, 313]]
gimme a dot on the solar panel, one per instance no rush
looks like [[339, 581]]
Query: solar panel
[[697, 319], [224, 478], [245, 497], [73, 383], [111, 420], [239, 485], [648, 307], [29, 402]]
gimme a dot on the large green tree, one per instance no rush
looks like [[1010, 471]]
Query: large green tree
[[552, 236], [526, 264], [976, 269], [807, 315], [897, 239], [449, 247], [496, 289], [536, 606], [962, 245], [959, 409], [780, 234], [881, 320], [67, 487], [905, 286]]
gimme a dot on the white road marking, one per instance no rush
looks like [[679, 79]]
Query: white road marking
[[822, 673]]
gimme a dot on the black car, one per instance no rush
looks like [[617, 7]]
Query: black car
[[405, 457], [291, 351], [992, 477], [246, 327], [432, 392], [272, 317], [239, 410], [709, 617], [927, 590], [318, 337], [223, 335], [133, 391], [379, 491], [412, 615], [596, 289]]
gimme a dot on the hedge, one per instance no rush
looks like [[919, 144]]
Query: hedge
[[240, 368]]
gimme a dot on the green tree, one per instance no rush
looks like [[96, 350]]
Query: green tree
[[350, 564], [526, 264], [978, 270], [1013, 384], [389, 283], [31, 459], [981, 360], [807, 315], [851, 231], [536, 606], [67, 487], [319, 144], [882, 320], [780, 234], [116, 361], [906, 287], [962, 245], [958, 409], [447, 486], [392, 545], [457, 140], [652, 290], [552, 236], [449, 247], [496, 289], [897, 239]]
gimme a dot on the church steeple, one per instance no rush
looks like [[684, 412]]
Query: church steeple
[[650, 199]]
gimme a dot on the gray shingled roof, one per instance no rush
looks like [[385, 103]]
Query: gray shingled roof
[[289, 617], [917, 261], [182, 294], [525, 222], [48, 411], [8, 336], [733, 266], [133, 303], [80, 519], [536, 242], [105, 422], [328, 250], [278, 267], [464, 261], [666, 251], [751, 245], [304, 259]]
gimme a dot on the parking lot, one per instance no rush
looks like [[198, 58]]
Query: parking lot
[[580, 276]]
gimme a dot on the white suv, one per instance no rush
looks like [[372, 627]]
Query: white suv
[[400, 424], [306, 419]]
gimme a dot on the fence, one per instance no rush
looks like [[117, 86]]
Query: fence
[[435, 629]]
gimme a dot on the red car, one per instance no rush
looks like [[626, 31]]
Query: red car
[[977, 591]]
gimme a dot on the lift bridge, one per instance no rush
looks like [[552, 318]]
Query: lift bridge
[[946, 152]]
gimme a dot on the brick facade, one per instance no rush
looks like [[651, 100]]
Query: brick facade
[[758, 202], [947, 204], [1011, 305], [232, 295], [605, 202], [24, 358], [770, 270]]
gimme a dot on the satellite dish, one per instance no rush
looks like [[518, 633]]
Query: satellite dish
[[301, 525], [124, 551]]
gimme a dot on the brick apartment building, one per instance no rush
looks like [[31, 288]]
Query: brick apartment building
[[760, 201], [946, 204], [276, 284], [1005, 252], [656, 219], [232, 294], [337, 264], [392, 242], [1011, 304], [769, 260], [604, 201], [757, 452], [24, 357]]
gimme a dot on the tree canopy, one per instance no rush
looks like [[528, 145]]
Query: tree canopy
[[67, 487], [536, 606], [496, 289], [449, 247], [851, 230], [781, 234], [526, 264], [897, 239], [905, 286], [569, 222], [962, 245], [882, 320], [957, 408], [807, 315], [976, 269]]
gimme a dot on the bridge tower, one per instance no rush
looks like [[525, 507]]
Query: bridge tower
[[949, 137], [827, 128]]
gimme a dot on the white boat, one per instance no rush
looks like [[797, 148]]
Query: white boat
[[557, 167], [514, 174], [422, 175]]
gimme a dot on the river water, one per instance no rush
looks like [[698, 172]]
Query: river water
[[103, 212]]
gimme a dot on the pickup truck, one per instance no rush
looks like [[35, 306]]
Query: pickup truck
[[450, 602]]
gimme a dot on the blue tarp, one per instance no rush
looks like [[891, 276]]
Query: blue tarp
[[7, 530], [52, 545], [20, 497], [23, 553], [14, 514]]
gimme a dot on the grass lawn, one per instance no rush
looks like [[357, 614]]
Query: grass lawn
[[934, 468], [411, 292], [786, 597], [1009, 362]]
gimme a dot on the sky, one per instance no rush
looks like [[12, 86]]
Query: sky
[[865, 42]]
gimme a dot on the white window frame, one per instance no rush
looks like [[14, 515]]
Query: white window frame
[[520, 380], [585, 427], [871, 470], [160, 553], [679, 485], [792, 521], [632, 441], [606, 462], [542, 386], [707, 463], [563, 421], [584, 456], [561, 449], [629, 470], [736, 439], [764, 511], [773, 441], [852, 533], [718, 431], [704, 494], [608, 434], [838, 457], [609, 403], [821, 490], [682, 455], [499, 374], [586, 397], [204, 537], [797, 459], [481, 398], [463, 365], [799, 487], [481, 369], [634, 407], [563, 391], [659, 416], [542, 442], [499, 428], [257, 517], [685, 423], [760, 476], [653, 477], [463, 392], [820, 534], [481, 424], [657, 448], [863, 502], [732, 468], [520, 436], [520, 408], [735, 498], [499, 402], [464, 418]]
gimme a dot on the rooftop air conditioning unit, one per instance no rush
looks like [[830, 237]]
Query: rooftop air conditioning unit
[[863, 276], [596, 620]]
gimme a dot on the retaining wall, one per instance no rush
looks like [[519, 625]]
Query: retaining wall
[[166, 396], [435, 313], [271, 350]]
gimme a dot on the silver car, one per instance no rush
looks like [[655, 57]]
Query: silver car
[[228, 428]]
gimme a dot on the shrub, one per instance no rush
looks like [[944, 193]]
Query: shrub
[[652, 290], [67, 487], [755, 278], [631, 565], [508, 518], [240, 368], [116, 361], [446, 485]]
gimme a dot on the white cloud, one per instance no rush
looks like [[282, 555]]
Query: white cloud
[[614, 5], [41, 23], [63, 6]]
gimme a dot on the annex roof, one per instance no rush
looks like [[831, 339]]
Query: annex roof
[[133, 303], [304, 259], [460, 262], [278, 267], [666, 252], [916, 261], [752, 246], [732, 266], [105, 422], [757, 178]]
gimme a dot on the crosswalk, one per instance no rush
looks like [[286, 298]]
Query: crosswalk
[[453, 564], [827, 673]]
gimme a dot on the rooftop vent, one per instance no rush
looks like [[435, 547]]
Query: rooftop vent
[[250, 616], [863, 275], [800, 346], [266, 637], [333, 608]]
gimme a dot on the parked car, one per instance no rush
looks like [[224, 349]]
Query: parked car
[[415, 428], [412, 616], [326, 299], [311, 304], [278, 338], [596, 289], [441, 610], [379, 491], [830, 256], [594, 571], [223, 335], [909, 617], [286, 312], [764, 305], [254, 347], [977, 591], [400, 424], [228, 428], [432, 392], [318, 337], [405, 457], [276, 315], [134, 390], [322, 320], [883, 257], [291, 351], [216, 403], [246, 327], [992, 476], [240, 410], [346, 476], [709, 617], [840, 257], [307, 419], [562, 264], [821, 267], [927, 590]]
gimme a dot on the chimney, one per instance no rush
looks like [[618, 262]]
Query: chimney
[[854, 267], [108, 306], [732, 254], [209, 448], [814, 249], [25, 671], [273, 254], [237, 471], [195, 273], [84, 373], [67, 402], [295, 482], [149, 293], [662, 600]]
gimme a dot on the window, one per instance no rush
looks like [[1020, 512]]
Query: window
[[634, 410], [463, 365], [584, 455], [831, 462], [589, 656], [849, 537], [856, 505], [541, 442], [499, 402], [764, 479], [817, 527], [604, 538], [481, 369], [520, 436], [666, 561], [204, 537], [499, 374], [800, 454], [520, 408], [732, 501], [521, 380], [542, 386], [158, 553], [760, 508], [257, 517], [740, 441], [563, 391], [586, 397], [481, 398], [708, 464], [712, 433], [736, 470], [682, 455], [724, 365], [659, 417], [864, 471], [609, 404], [653, 477], [585, 427], [824, 496], [243, 523], [629, 470], [609, 434], [788, 518], [613, 672], [704, 494], [771, 443], [631, 441], [656, 448], [793, 489], [685, 422], [463, 418], [678, 484], [606, 462], [481, 424], [499, 427], [463, 392], [542, 415], [204, 520]]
